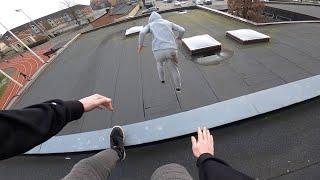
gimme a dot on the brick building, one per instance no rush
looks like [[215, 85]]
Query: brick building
[[54, 24], [3, 47]]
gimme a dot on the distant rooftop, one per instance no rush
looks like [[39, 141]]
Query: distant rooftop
[[57, 14], [311, 10]]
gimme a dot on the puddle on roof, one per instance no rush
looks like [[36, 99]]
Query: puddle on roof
[[214, 59]]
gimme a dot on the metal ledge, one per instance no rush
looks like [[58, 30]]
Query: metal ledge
[[179, 124]]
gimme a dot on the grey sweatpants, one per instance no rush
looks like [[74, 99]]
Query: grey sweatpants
[[170, 57], [99, 167], [96, 167]]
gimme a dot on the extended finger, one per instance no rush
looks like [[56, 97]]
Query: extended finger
[[108, 105], [200, 136], [204, 134], [106, 102], [208, 135], [103, 101]]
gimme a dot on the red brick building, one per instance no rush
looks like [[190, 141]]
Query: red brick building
[[56, 23]]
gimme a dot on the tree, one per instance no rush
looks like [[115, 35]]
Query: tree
[[248, 9], [69, 4]]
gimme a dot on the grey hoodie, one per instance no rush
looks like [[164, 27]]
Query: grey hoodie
[[163, 36]]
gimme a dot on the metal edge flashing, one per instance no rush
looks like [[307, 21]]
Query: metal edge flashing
[[211, 116]]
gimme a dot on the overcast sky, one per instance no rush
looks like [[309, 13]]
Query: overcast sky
[[34, 8]]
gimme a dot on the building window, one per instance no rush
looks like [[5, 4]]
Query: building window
[[29, 41], [35, 29], [8, 38], [51, 22], [18, 45], [66, 17], [79, 13]]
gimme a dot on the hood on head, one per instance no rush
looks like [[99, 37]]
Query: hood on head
[[154, 16]]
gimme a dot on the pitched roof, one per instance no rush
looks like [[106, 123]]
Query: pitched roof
[[122, 9]]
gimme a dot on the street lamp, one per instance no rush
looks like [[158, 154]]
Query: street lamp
[[20, 10], [38, 57]]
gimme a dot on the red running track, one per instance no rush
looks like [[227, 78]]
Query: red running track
[[28, 65]]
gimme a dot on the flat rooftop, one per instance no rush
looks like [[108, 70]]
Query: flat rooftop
[[106, 62], [280, 145], [310, 10]]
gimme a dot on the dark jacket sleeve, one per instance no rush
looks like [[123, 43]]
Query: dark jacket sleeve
[[214, 168], [21, 130]]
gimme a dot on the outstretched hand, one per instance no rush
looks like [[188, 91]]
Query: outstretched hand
[[204, 144], [96, 101]]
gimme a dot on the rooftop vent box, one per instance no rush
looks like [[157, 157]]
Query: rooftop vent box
[[247, 36], [201, 44], [133, 30]]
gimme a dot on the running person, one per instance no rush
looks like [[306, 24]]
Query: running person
[[164, 45]]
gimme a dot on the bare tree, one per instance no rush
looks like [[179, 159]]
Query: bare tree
[[69, 4], [248, 9]]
